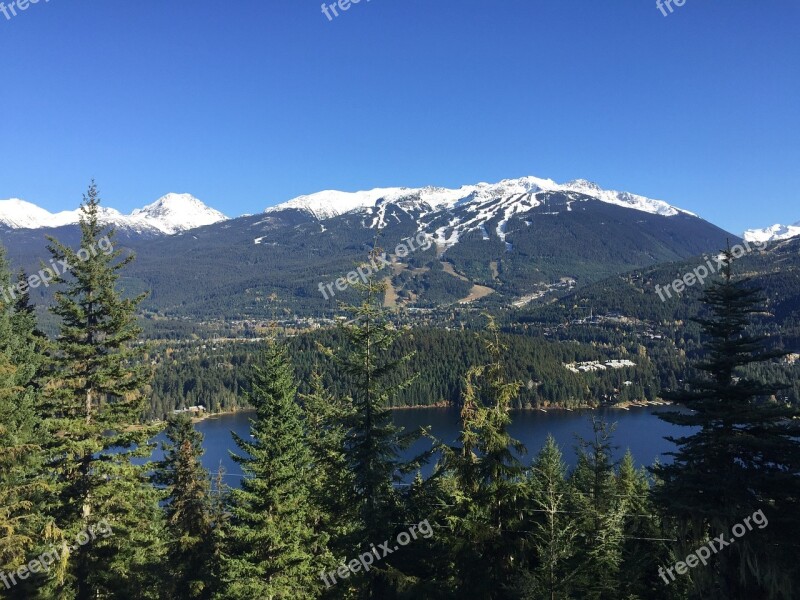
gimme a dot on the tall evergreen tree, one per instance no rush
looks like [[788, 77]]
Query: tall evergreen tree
[[332, 481], [552, 528], [599, 516], [274, 552], [644, 548], [743, 456], [189, 512], [220, 518], [373, 444], [92, 422], [21, 482], [489, 490]]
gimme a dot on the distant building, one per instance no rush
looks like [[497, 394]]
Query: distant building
[[192, 409]]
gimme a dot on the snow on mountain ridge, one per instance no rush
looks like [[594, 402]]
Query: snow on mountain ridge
[[169, 214], [774, 233], [20, 214], [331, 203]]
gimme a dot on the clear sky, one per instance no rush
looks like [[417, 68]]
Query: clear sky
[[252, 102]]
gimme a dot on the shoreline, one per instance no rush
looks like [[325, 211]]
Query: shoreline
[[545, 409]]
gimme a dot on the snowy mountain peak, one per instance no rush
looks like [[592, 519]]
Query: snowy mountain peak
[[331, 203], [177, 212], [772, 234], [167, 215], [20, 214]]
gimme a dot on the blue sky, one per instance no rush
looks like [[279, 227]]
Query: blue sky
[[249, 103]]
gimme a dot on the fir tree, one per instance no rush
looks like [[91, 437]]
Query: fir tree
[[553, 532], [331, 480], [644, 548], [21, 481], [372, 442], [273, 550], [744, 455], [599, 516], [92, 424], [489, 491], [189, 518], [220, 527]]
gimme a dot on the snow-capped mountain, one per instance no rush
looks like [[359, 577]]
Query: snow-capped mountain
[[177, 212], [448, 214], [169, 214], [772, 234], [19, 214], [331, 203], [505, 241]]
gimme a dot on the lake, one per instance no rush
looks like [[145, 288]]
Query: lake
[[637, 428]]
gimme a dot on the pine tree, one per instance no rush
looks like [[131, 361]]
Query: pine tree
[[372, 442], [91, 417], [643, 549], [744, 455], [15, 503], [32, 345], [331, 480], [489, 490], [220, 527], [273, 551], [553, 532], [21, 483], [189, 518], [599, 516]]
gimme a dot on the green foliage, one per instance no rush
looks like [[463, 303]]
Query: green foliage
[[553, 532], [90, 423], [190, 526], [488, 490], [372, 443], [21, 473], [273, 549], [332, 482], [600, 516], [744, 454], [216, 374]]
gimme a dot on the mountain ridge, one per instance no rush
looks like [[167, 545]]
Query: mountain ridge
[[330, 203], [170, 214], [774, 233]]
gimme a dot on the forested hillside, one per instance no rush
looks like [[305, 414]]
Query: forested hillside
[[215, 374]]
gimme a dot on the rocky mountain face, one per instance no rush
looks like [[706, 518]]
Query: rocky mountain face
[[509, 243]]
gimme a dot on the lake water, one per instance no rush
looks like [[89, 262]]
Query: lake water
[[638, 429]]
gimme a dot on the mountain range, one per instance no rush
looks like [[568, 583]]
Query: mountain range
[[168, 215], [175, 213], [509, 243], [773, 233]]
